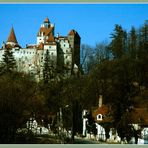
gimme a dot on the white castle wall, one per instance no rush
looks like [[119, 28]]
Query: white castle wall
[[64, 45], [31, 59]]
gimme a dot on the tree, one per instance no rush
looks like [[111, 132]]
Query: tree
[[8, 64], [48, 69], [118, 43], [132, 45], [91, 126], [18, 102], [102, 52], [87, 58]]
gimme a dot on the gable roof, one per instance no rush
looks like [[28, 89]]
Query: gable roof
[[105, 111]]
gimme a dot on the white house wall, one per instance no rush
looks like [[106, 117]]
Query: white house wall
[[100, 132]]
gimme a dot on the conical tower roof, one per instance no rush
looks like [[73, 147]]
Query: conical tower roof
[[12, 37], [46, 20]]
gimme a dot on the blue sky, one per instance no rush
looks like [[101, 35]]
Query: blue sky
[[93, 22]]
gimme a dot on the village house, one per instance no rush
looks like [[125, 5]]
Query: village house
[[137, 118]]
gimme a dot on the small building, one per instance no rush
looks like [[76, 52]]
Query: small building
[[103, 118], [139, 120]]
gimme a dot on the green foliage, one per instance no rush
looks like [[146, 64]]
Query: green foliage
[[118, 43], [48, 68], [116, 78], [18, 102], [8, 64]]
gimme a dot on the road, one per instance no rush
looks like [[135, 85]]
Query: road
[[85, 141]]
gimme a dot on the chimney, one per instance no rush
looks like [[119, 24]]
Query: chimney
[[58, 35], [100, 100]]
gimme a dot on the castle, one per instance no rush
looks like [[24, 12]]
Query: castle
[[64, 52]]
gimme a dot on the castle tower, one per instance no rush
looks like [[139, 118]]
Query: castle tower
[[12, 41], [44, 32], [74, 40]]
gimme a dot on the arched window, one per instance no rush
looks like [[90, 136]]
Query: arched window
[[99, 117]]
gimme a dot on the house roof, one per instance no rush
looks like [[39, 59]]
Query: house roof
[[105, 111], [139, 116], [41, 46], [73, 33], [12, 37], [46, 31], [51, 38]]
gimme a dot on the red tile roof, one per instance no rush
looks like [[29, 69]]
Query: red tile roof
[[46, 31], [51, 38], [12, 37], [73, 33], [41, 46], [105, 111], [102, 110], [139, 116]]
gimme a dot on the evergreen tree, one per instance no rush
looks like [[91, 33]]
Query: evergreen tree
[[8, 64], [132, 43], [118, 43], [48, 69]]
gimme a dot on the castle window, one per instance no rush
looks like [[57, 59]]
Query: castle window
[[49, 47], [99, 117]]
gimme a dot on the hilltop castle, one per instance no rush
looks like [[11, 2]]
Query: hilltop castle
[[64, 52]]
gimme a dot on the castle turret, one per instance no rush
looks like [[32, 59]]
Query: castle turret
[[45, 31], [12, 41], [74, 40], [12, 37]]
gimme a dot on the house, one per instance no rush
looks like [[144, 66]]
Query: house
[[138, 118], [103, 117]]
